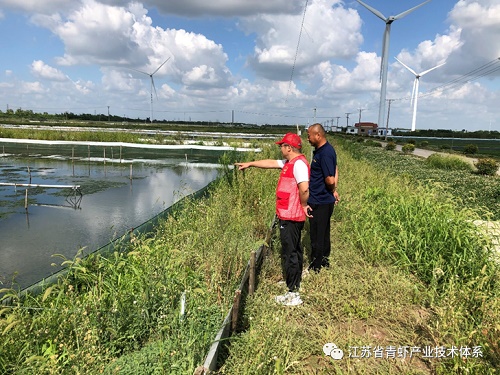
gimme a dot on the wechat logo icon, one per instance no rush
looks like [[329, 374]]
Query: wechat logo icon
[[333, 351]]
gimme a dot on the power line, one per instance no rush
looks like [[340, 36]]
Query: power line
[[483, 71], [296, 52]]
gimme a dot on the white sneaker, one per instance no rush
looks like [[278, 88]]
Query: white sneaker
[[289, 299]]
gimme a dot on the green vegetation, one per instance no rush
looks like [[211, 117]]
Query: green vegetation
[[470, 149], [408, 148], [448, 162], [108, 313], [408, 269], [28, 117], [469, 189], [446, 133], [373, 143], [390, 146], [488, 146], [60, 135], [487, 166]]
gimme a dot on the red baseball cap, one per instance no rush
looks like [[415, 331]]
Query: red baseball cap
[[291, 139]]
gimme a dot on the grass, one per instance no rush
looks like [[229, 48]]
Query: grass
[[110, 311], [408, 269], [469, 189], [448, 162]]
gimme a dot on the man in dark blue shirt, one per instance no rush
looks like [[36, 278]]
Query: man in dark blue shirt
[[322, 195]]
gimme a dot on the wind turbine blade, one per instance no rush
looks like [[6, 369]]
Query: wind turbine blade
[[140, 71], [406, 66], [160, 66], [401, 15], [431, 69], [153, 86], [374, 11]]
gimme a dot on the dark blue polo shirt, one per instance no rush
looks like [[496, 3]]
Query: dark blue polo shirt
[[323, 164]]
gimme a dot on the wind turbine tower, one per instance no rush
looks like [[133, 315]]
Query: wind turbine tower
[[385, 52], [152, 86], [414, 94]]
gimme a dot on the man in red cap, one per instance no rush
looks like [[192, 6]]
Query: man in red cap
[[292, 193]]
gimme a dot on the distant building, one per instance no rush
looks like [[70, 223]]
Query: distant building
[[384, 132], [351, 130], [366, 128]]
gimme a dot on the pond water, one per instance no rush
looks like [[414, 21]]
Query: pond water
[[117, 195]]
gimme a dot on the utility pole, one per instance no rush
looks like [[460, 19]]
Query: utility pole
[[360, 110], [108, 113], [337, 126], [315, 115], [388, 113], [347, 117]]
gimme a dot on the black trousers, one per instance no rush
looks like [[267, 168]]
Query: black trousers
[[319, 226], [292, 254]]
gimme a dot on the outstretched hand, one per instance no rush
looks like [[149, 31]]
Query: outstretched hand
[[242, 166]]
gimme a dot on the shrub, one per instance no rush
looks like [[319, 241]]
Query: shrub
[[371, 142], [390, 146], [424, 144], [360, 140], [471, 149], [447, 162], [487, 166], [412, 141], [445, 147], [408, 148]]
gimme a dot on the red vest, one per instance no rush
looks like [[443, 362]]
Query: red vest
[[288, 205]]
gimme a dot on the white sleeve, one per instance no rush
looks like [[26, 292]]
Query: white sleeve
[[281, 163], [300, 171]]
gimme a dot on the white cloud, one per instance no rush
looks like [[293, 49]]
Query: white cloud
[[115, 36], [479, 23], [99, 34], [41, 70], [364, 76], [329, 32], [32, 88]]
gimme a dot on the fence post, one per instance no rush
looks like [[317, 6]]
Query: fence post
[[236, 308], [251, 276]]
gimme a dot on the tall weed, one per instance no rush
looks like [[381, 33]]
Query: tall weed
[[107, 309]]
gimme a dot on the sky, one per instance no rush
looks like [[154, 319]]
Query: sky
[[260, 61]]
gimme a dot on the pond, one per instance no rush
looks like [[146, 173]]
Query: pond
[[118, 193]]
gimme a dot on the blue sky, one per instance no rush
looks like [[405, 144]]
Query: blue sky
[[82, 56]]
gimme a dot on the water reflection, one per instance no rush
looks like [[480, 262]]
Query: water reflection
[[112, 203]]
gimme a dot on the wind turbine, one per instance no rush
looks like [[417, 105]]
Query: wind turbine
[[152, 85], [414, 94], [385, 52]]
